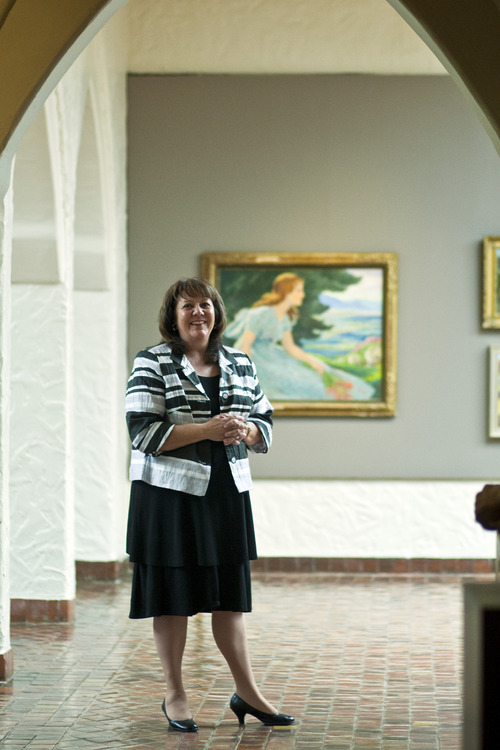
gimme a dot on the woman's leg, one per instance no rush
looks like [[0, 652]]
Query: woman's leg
[[170, 637], [229, 634]]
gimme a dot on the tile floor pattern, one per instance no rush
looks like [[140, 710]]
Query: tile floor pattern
[[363, 662]]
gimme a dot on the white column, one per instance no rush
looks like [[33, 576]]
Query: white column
[[41, 460], [42, 518], [101, 444], [100, 477]]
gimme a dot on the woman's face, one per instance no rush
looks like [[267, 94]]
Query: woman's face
[[195, 318], [296, 296]]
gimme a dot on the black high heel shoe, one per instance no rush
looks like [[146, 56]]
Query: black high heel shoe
[[186, 725], [240, 708]]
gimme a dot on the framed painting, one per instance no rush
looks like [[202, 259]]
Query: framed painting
[[491, 282], [320, 327], [494, 394]]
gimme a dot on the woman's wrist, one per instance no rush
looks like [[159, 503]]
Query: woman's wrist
[[247, 439], [252, 435]]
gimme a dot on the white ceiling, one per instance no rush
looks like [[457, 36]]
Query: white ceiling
[[274, 36]]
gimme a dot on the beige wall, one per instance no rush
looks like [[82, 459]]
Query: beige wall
[[282, 36]]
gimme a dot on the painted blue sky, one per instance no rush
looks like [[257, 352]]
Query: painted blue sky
[[363, 297]]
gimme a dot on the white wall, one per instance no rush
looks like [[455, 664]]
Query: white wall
[[363, 519], [41, 478]]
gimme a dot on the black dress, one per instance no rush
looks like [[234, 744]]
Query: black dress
[[191, 554]]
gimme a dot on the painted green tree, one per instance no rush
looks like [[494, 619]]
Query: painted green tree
[[242, 286]]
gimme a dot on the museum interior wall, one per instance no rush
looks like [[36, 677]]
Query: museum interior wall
[[360, 164]]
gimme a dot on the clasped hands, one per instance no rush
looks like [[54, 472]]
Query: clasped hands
[[227, 428]]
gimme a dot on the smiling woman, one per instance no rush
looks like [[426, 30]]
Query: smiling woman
[[194, 409]]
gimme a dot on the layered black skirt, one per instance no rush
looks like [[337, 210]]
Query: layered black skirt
[[191, 554]]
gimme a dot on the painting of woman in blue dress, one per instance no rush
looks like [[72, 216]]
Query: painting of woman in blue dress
[[286, 370]]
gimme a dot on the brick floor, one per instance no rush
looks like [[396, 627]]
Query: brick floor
[[363, 662]]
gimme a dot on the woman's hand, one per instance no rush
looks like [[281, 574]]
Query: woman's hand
[[229, 429], [216, 427], [236, 429]]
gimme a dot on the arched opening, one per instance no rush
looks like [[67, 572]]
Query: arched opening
[[34, 235], [90, 232]]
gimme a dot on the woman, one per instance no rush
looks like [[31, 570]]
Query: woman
[[286, 371], [194, 408]]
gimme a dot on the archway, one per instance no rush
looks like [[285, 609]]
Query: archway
[[34, 236], [22, 93]]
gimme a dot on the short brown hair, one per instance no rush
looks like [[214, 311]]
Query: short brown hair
[[191, 287]]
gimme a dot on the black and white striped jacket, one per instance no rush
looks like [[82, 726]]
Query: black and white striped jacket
[[164, 391]]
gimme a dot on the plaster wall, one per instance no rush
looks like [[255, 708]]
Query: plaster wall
[[369, 519], [101, 488], [41, 488]]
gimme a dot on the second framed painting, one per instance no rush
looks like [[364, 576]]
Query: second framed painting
[[491, 282], [321, 328]]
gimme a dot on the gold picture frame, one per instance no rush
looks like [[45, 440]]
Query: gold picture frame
[[327, 344], [494, 392], [491, 283]]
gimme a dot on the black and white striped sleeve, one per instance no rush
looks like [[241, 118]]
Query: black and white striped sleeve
[[147, 420], [261, 414]]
